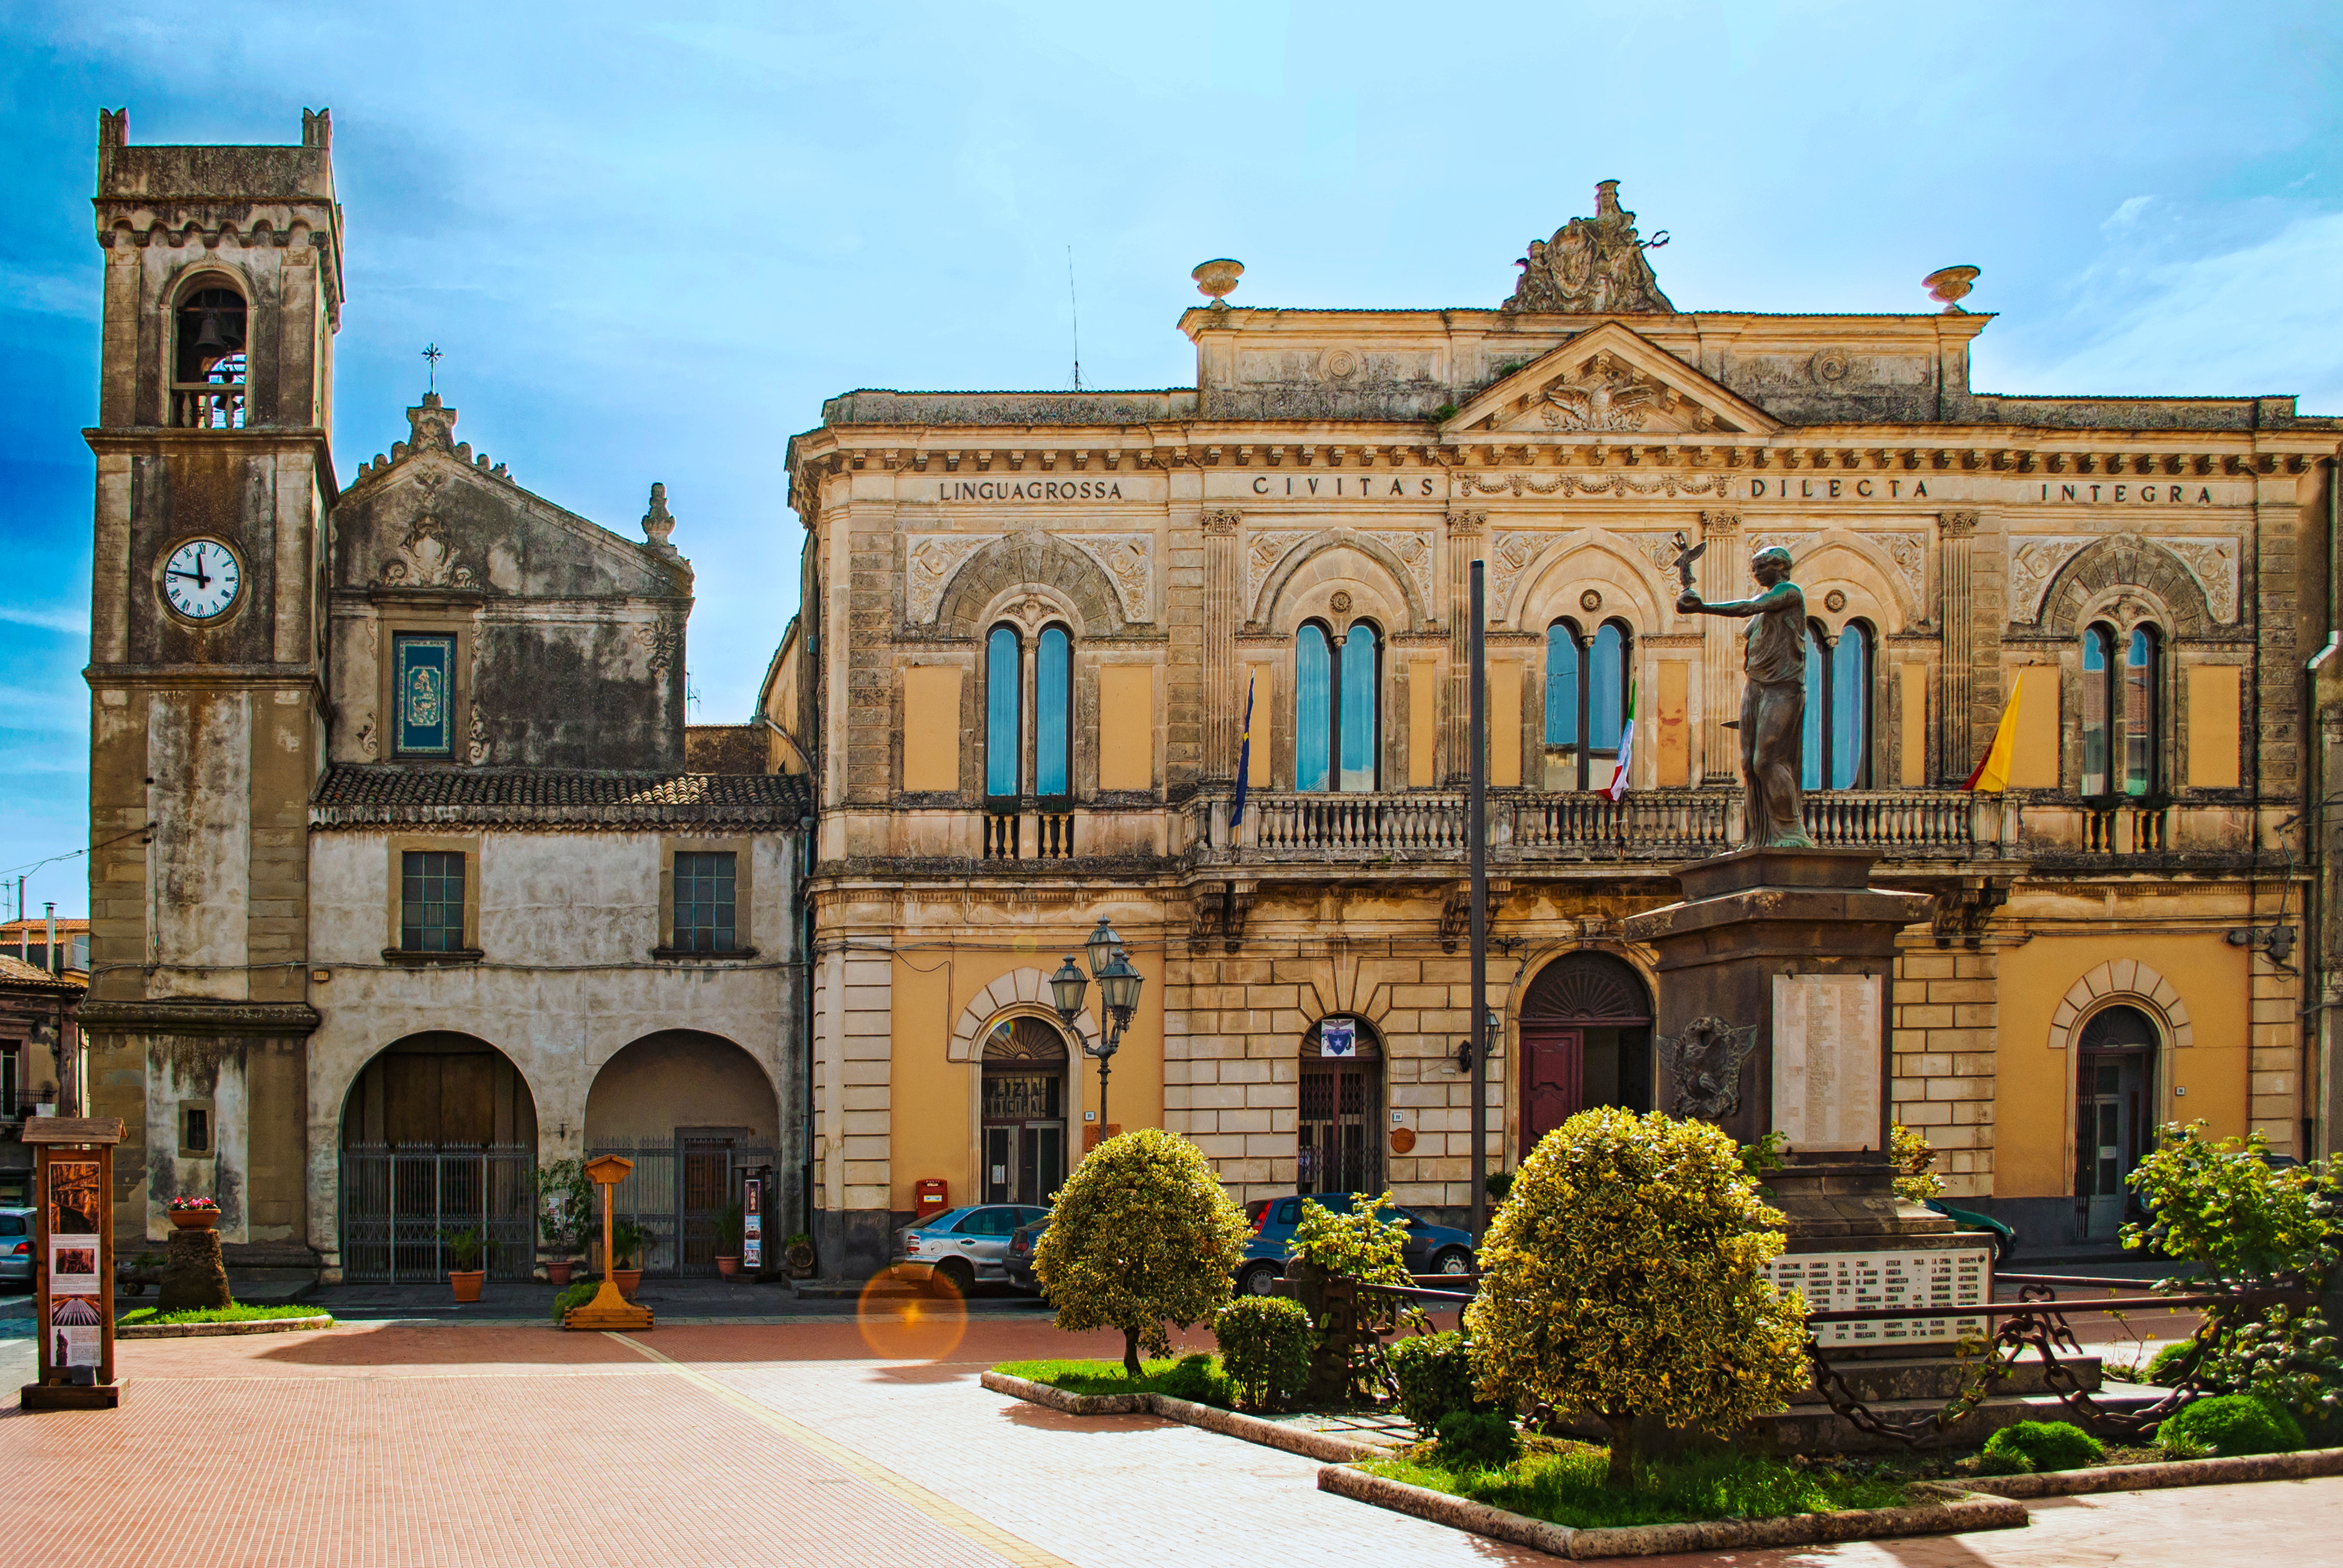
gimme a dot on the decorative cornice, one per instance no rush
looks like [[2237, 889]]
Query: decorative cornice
[[269, 1021]]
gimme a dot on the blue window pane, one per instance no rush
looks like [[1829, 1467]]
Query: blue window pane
[[1850, 684], [1000, 739], [1561, 685], [1052, 677], [2140, 714], [1810, 769], [1313, 710], [1606, 689], [1359, 709], [2097, 649]]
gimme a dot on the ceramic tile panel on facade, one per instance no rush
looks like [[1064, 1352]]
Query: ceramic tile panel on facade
[[1568, 447]]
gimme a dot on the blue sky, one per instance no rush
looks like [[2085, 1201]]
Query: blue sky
[[650, 240]]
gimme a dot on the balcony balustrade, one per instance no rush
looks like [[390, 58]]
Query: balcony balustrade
[[208, 406]]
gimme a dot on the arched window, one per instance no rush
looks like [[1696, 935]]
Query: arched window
[[1586, 697], [1838, 736], [2139, 715], [1002, 657], [1357, 732], [1313, 706], [208, 364], [2098, 705], [1053, 701]]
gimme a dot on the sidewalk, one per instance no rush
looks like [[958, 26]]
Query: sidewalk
[[672, 1299]]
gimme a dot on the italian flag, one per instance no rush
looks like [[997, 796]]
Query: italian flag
[[1627, 751], [1992, 775]]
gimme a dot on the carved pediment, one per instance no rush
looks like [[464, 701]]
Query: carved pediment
[[1610, 381]]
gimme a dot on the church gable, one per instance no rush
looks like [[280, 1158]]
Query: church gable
[[1609, 381]]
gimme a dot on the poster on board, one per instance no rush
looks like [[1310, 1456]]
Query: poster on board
[[73, 1197], [73, 1265], [73, 1332]]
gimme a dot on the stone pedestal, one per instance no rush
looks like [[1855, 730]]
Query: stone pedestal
[[192, 1274]]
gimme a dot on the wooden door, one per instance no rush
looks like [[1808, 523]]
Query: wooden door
[[1554, 1065]]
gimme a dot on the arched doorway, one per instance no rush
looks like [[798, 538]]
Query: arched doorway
[[1586, 1040], [2115, 1115], [439, 1136], [1024, 1111], [1337, 1143], [697, 1114]]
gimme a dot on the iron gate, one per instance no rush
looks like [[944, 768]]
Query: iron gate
[[399, 1200], [675, 1193]]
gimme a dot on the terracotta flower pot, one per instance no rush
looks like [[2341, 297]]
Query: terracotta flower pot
[[629, 1280], [194, 1218], [466, 1283], [558, 1274], [727, 1267]]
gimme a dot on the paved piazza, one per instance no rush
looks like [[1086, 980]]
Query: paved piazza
[[812, 1443]]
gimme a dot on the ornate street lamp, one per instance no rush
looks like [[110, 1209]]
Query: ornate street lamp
[[1102, 945], [1066, 987], [1118, 988]]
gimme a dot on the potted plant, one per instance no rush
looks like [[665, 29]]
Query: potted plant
[[627, 1241], [193, 1213], [565, 1211], [797, 1252], [464, 1249], [728, 1242]]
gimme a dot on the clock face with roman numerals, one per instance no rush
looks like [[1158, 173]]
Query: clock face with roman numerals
[[200, 579]]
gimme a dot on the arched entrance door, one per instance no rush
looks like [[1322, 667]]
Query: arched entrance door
[[1024, 1111], [696, 1114], [1339, 1144], [439, 1135], [1586, 1040], [2114, 1120]]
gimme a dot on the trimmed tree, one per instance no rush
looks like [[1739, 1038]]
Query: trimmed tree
[[1622, 1278], [1141, 1234]]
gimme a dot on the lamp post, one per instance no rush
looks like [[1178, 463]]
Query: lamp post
[[1118, 988]]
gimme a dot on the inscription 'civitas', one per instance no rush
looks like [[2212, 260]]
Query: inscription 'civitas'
[[1365, 487]]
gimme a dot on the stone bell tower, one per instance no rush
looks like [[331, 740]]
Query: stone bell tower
[[223, 290]]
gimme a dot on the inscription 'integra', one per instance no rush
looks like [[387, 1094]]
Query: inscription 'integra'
[[1029, 490]]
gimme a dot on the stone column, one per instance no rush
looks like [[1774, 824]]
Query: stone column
[[1720, 574], [1956, 535], [1224, 610], [1463, 545]]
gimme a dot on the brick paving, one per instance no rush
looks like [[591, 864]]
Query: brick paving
[[824, 1442]]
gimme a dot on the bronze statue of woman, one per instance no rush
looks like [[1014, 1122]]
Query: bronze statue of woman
[[1773, 701]]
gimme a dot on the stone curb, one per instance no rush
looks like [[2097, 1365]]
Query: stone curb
[[1964, 1511], [2300, 1466], [209, 1330], [1227, 1423]]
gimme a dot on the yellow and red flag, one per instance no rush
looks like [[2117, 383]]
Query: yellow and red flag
[[1992, 775]]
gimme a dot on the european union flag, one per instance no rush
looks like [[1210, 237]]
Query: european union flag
[[1244, 759]]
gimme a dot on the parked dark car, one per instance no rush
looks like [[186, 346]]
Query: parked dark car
[[1430, 1248], [1019, 1261], [2005, 1239], [963, 1246]]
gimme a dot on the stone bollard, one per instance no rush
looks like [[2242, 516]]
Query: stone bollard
[[193, 1275]]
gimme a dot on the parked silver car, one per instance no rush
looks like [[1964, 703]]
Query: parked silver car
[[963, 1247], [16, 1247]]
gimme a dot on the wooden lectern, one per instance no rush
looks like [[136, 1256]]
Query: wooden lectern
[[73, 1306], [608, 1309]]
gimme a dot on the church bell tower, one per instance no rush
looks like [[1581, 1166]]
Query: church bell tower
[[223, 290]]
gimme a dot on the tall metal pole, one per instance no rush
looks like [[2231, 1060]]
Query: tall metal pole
[[1477, 841]]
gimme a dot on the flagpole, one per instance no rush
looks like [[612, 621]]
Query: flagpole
[[1477, 840]]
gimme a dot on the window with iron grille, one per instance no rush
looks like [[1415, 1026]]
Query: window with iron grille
[[703, 902], [431, 901]]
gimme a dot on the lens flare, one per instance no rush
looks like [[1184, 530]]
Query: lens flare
[[909, 1328]]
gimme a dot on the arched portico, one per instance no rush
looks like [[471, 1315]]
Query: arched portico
[[439, 1136], [696, 1114]]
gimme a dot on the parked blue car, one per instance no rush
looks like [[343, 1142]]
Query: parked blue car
[[1430, 1248]]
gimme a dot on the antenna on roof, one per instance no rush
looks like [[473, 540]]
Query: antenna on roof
[[1076, 306]]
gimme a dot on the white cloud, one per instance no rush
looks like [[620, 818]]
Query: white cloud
[[72, 621], [2124, 217]]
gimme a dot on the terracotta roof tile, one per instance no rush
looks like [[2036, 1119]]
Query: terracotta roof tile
[[379, 796]]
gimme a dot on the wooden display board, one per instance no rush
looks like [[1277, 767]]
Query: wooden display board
[[73, 1263], [608, 1309]]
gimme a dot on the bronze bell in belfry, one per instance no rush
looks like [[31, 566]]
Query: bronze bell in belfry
[[210, 342]]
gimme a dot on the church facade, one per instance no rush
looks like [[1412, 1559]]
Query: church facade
[[1046, 631], [408, 874]]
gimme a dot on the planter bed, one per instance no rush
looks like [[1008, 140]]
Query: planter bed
[[287, 1323], [2302, 1465]]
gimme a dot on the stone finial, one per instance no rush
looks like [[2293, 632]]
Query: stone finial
[[657, 523], [433, 425], [1951, 285], [1217, 279]]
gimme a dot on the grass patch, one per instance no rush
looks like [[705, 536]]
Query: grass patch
[[1561, 1482], [1164, 1377], [235, 1313]]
